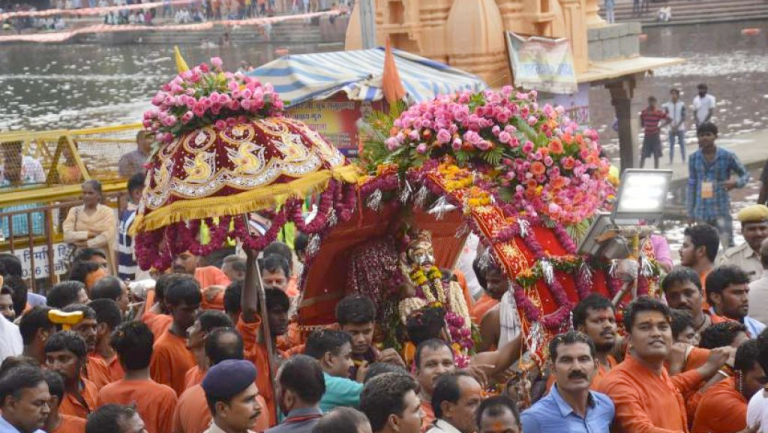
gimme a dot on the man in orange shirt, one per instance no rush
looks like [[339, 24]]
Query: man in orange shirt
[[35, 328], [155, 403], [682, 287], [156, 312], [595, 317], [647, 400], [171, 358], [56, 422], [192, 414], [723, 407], [494, 284], [96, 370], [66, 353], [280, 274], [276, 272], [206, 322], [109, 317], [212, 280]]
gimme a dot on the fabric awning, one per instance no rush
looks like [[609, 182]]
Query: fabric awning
[[304, 77]]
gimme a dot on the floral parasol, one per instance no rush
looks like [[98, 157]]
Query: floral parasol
[[225, 151]]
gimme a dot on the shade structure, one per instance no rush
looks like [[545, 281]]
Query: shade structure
[[218, 174], [358, 74]]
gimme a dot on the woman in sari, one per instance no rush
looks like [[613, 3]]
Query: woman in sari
[[92, 225]]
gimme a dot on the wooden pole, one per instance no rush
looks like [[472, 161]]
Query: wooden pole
[[253, 266]]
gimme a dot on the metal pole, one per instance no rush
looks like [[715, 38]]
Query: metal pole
[[368, 23]]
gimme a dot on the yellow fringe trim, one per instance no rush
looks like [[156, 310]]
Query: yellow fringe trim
[[245, 202]]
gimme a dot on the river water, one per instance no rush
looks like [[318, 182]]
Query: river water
[[79, 86]]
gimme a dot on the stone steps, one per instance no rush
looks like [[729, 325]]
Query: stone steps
[[695, 11]]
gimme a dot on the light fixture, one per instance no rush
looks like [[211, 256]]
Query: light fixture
[[642, 196]]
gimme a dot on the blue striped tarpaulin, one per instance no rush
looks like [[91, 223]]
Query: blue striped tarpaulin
[[305, 77]]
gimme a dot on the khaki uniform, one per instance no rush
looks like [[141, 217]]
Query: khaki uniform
[[744, 257]]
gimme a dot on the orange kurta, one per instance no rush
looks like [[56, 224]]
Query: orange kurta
[[155, 403], [192, 414], [645, 401], [72, 406], [429, 416], [114, 367], [722, 409], [483, 304], [695, 359], [211, 276], [70, 424], [257, 353], [194, 377], [170, 361], [97, 371], [157, 323]]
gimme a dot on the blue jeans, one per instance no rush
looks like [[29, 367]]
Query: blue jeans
[[681, 139]]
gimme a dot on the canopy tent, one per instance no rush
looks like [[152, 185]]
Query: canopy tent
[[306, 77]]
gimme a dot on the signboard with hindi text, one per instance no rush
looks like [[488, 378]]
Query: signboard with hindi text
[[542, 64], [42, 268]]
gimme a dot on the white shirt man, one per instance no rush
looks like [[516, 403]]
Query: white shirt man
[[703, 105]]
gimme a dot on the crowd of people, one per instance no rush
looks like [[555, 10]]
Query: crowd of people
[[114, 349]]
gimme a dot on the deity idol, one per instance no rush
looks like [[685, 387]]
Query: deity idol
[[401, 276]]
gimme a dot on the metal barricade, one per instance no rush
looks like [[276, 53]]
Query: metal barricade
[[42, 250]]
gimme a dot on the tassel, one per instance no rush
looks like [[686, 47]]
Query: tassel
[[440, 208], [646, 267], [421, 196], [585, 272], [535, 338], [524, 227], [463, 230], [405, 194], [374, 200], [314, 245], [547, 271], [333, 219]]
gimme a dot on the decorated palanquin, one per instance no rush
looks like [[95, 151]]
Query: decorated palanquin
[[522, 177], [224, 152]]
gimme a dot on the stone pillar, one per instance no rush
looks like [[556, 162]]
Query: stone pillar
[[592, 17], [621, 99], [576, 32]]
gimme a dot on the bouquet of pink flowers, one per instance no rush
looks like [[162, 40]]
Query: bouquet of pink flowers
[[207, 95], [542, 163]]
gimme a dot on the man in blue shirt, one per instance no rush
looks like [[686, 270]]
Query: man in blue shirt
[[709, 179], [333, 349], [24, 400], [570, 406]]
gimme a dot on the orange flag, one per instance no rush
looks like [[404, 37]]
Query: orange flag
[[390, 80]]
